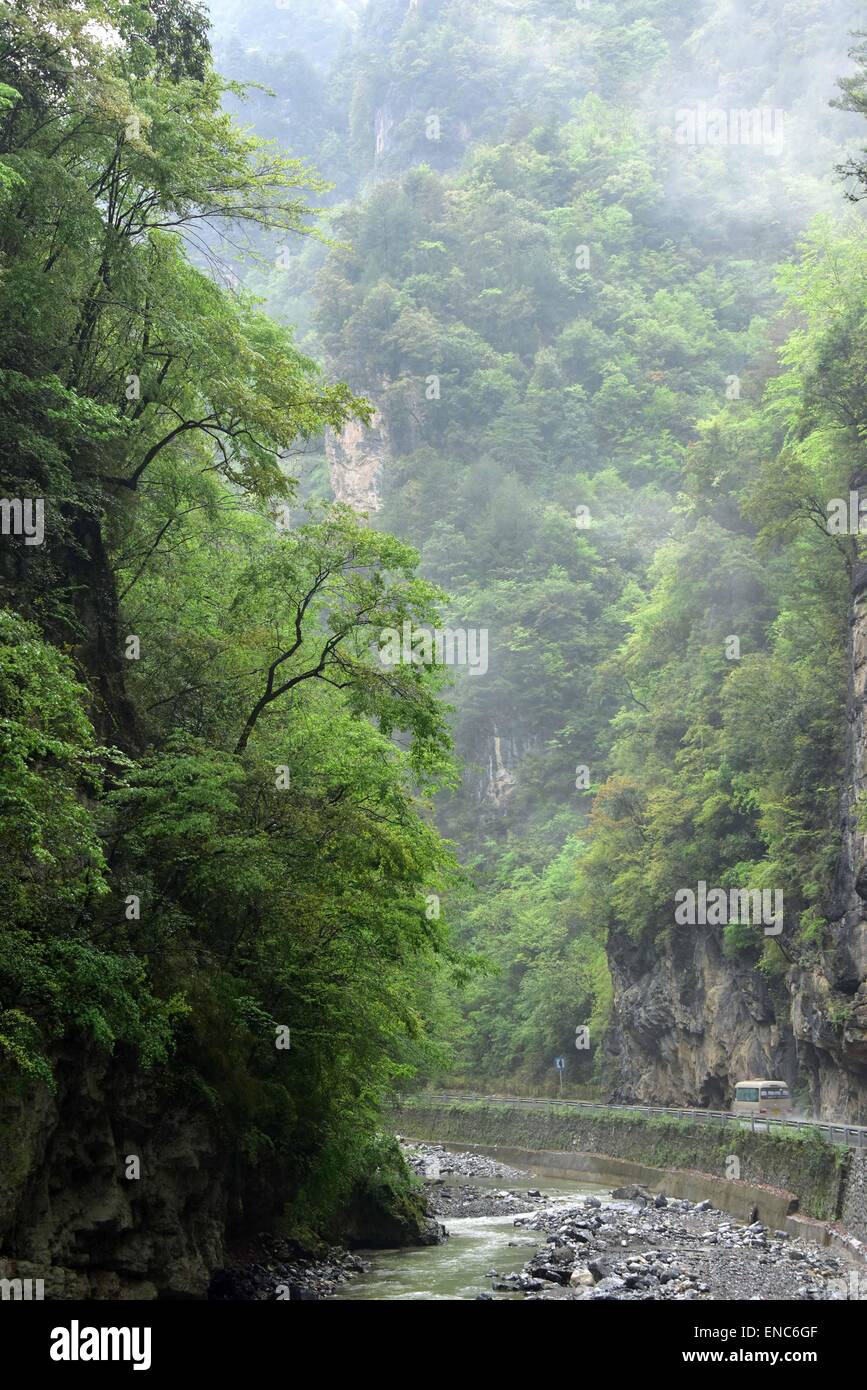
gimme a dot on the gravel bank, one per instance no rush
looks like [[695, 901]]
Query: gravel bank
[[643, 1247], [276, 1269], [434, 1161], [448, 1199]]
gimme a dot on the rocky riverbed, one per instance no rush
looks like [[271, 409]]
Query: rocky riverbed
[[458, 1199], [633, 1246], [434, 1161], [642, 1247], [277, 1269]]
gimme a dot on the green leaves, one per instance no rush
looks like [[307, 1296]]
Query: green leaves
[[51, 860], [178, 901], [338, 575]]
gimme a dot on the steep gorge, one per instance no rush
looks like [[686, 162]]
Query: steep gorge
[[581, 398], [472, 205]]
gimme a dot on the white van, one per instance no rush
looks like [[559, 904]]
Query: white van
[[764, 1099]]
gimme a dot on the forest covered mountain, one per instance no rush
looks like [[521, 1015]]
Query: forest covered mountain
[[627, 335], [530, 319]]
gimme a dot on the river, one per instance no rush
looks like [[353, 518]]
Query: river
[[459, 1267]]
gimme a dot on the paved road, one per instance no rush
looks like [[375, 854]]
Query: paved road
[[853, 1136]]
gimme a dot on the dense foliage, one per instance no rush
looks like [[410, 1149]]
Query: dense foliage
[[216, 862], [221, 816], [615, 476]]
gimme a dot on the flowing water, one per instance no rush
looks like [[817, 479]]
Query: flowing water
[[459, 1267]]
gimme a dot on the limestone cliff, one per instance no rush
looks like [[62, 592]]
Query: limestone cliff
[[688, 1022], [71, 1216], [829, 998], [355, 462]]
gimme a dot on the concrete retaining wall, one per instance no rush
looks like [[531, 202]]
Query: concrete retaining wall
[[776, 1173], [742, 1200]]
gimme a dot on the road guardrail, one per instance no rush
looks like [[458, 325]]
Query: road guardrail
[[851, 1136]]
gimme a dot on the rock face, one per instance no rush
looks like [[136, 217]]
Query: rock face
[[383, 125], [829, 1011], [69, 1214], [383, 1219], [501, 778], [688, 1022], [355, 462], [493, 756]]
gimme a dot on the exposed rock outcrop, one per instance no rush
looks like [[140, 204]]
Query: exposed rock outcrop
[[355, 462], [829, 1007], [493, 764], [501, 769], [71, 1216], [688, 1022]]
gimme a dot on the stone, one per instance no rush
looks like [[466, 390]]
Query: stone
[[632, 1192]]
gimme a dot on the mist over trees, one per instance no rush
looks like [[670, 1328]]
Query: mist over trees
[[354, 319], [627, 334]]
